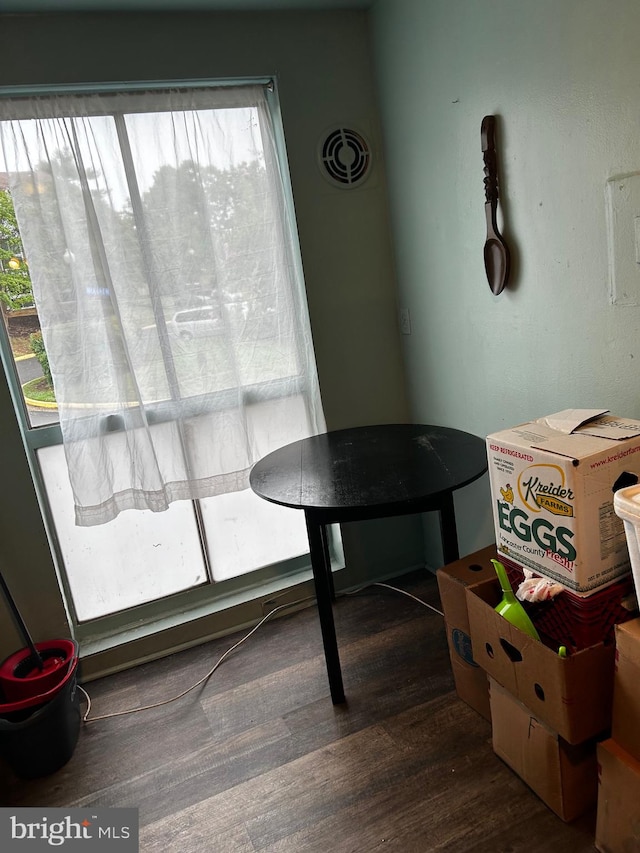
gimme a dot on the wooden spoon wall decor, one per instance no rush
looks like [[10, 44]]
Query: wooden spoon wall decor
[[496, 251]]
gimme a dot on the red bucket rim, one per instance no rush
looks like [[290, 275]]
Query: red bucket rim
[[42, 698], [68, 647]]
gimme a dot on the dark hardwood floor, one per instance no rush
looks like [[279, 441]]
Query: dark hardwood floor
[[260, 760]]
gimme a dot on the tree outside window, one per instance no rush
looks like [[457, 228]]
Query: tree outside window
[[15, 284]]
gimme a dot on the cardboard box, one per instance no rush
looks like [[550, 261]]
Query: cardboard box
[[565, 777], [453, 579], [552, 483], [618, 818], [625, 724], [573, 695]]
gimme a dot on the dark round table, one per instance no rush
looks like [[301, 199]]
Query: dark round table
[[363, 473]]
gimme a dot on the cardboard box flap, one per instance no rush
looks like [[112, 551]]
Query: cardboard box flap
[[576, 446], [628, 640], [540, 436], [612, 428], [594, 422], [570, 419]]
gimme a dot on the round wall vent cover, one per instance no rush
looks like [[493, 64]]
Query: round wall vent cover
[[345, 157]]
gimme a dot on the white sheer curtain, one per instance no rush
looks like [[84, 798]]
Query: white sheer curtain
[[164, 263]]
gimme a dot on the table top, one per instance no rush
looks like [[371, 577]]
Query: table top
[[370, 471]]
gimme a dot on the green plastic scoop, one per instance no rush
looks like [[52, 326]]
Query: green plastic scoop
[[510, 607]]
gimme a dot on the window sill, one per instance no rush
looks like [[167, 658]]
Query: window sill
[[132, 645]]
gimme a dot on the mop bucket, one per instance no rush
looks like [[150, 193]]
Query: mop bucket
[[626, 503], [39, 731], [22, 678]]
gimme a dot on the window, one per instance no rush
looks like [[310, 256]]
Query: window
[[161, 247]]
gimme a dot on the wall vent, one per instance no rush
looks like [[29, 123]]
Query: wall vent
[[344, 157]]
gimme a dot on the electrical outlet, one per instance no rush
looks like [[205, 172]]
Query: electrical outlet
[[405, 321]]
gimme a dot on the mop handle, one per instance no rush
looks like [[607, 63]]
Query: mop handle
[[21, 624]]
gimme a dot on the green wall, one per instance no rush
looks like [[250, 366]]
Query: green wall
[[563, 80]]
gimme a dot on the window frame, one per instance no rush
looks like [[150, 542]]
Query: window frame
[[107, 632]]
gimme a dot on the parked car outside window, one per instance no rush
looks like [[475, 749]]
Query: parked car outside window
[[195, 322]]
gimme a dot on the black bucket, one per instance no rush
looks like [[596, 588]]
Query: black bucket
[[40, 739]]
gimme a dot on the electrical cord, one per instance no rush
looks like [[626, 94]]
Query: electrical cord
[[202, 680], [410, 595], [207, 676]]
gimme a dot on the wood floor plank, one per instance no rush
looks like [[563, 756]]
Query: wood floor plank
[[378, 664], [289, 790], [469, 802], [399, 816], [190, 833], [204, 768], [258, 760]]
